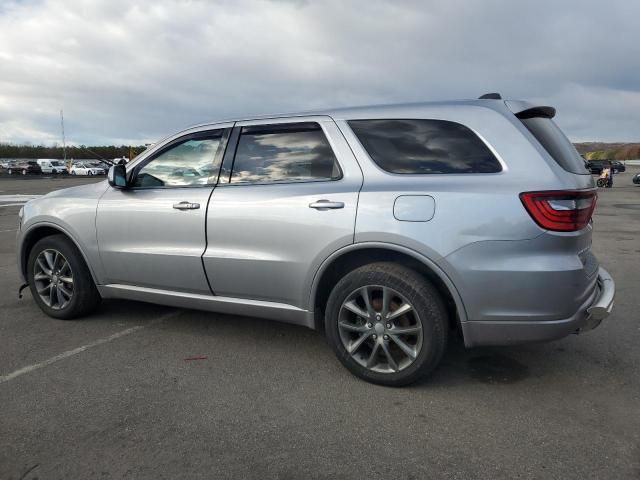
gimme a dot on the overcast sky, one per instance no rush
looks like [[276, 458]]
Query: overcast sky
[[131, 72]]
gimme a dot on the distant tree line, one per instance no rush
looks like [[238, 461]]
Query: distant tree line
[[76, 152], [609, 151], [591, 150], [625, 153]]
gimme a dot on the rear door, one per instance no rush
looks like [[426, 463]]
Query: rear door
[[286, 200], [153, 234]]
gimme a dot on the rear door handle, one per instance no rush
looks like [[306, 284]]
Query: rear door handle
[[326, 205], [186, 206]]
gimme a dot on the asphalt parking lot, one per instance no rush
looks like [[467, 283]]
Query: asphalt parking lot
[[143, 391]]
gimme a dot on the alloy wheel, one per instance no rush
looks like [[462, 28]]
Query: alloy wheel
[[380, 329], [53, 279]]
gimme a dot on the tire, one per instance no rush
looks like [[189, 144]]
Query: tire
[[73, 172], [367, 361], [90, 173], [84, 295], [10, 172], [24, 172], [602, 182]]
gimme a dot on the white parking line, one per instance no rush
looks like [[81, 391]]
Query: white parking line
[[75, 351], [12, 230], [17, 197], [16, 200]]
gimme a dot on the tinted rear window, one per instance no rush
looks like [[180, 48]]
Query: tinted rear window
[[424, 146], [556, 144]]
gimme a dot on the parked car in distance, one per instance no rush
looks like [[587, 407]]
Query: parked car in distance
[[24, 167], [387, 228], [596, 166], [82, 168], [636, 179], [103, 165], [52, 166]]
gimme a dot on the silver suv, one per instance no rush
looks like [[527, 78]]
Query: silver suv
[[387, 227]]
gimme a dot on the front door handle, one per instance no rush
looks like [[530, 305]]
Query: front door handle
[[186, 206], [326, 205]]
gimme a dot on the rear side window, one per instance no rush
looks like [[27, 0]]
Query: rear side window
[[283, 153], [424, 147], [556, 144]]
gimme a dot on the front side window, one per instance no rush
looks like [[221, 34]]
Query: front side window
[[283, 153], [190, 163], [424, 146]]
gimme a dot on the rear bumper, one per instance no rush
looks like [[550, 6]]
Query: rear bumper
[[597, 307], [605, 295]]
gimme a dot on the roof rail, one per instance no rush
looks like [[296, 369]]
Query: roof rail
[[490, 96]]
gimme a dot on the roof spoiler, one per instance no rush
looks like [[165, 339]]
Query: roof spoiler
[[524, 110], [490, 96], [540, 112]]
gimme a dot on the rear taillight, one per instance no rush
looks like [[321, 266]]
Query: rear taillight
[[560, 211]]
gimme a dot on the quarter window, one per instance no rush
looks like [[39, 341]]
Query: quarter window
[[193, 162], [424, 146], [282, 153]]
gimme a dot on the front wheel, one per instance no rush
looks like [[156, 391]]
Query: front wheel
[[602, 182], [387, 324], [59, 279]]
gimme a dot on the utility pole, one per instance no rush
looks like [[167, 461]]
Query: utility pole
[[64, 145]]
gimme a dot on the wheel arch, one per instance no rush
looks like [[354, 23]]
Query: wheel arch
[[356, 255], [40, 231]]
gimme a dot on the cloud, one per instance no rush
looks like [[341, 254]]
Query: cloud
[[132, 72]]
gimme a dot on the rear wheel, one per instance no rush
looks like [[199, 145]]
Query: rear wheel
[[387, 324], [24, 171], [10, 172], [59, 279]]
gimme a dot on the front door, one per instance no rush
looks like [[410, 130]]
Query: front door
[[153, 233], [289, 202]]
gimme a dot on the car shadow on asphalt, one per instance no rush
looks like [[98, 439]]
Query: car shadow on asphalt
[[487, 365]]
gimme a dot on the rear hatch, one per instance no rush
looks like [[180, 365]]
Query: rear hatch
[[565, 214], [538, 120]]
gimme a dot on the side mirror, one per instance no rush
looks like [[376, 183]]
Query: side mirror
[[117, 176]]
